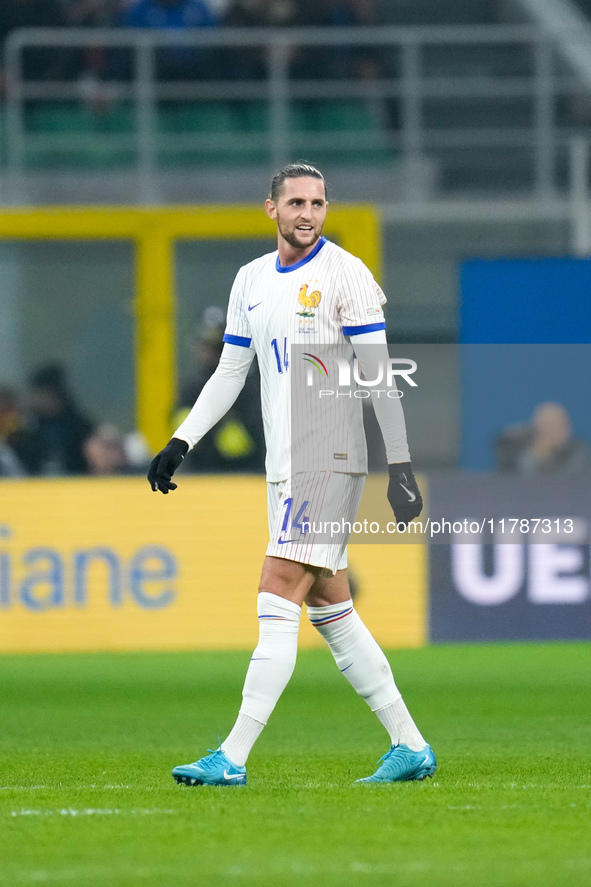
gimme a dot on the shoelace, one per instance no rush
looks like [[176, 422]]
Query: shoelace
[[211, 762], [388, 753]]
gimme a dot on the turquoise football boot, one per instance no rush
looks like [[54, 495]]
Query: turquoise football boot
[[214, 769], [402, 764]]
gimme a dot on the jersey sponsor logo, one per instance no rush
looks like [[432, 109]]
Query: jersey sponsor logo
[[251, 307], [373, 312]]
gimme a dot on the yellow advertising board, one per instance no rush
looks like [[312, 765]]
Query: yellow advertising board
[[104, 564]]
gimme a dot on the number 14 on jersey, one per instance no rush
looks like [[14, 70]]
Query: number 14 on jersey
[[281, 367]]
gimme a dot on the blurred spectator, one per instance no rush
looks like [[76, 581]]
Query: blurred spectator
[[137, 452], [108, 452], [251, 63], [10, 465], [340, 61], [236, 442], [105, 453], [544, 446], [175, 62], [61, 428], [18, 443], [262, 13], [281, 13], [91, 62], [318, 62], [86, 13]]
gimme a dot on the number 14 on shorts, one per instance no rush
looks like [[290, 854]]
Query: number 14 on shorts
[[298, 522]]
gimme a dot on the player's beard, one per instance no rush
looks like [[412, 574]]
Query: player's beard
[[291, 236]]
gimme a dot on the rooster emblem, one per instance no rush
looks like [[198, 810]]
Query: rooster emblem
[[308, 301]]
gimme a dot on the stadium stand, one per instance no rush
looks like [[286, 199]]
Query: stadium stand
[[484, 121], [94, 126]]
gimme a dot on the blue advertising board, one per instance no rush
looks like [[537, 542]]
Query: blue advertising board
[[528, 581]]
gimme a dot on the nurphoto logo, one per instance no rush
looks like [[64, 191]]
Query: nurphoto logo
[[347, 376]]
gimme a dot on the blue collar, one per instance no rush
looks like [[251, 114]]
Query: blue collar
[[303, 261]]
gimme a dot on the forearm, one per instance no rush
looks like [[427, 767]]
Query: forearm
[[218, 395], [371, 349]]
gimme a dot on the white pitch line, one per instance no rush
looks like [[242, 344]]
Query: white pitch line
[[516, 785], [23, 788], [28, 788], [91, 811]]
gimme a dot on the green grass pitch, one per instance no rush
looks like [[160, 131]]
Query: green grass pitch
[[87, 744]]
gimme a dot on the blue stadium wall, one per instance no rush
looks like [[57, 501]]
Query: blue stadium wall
[[525, 339]]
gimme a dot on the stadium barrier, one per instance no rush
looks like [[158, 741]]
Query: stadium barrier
[[103, 564]]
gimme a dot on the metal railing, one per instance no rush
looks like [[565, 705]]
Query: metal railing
[[413, 138]]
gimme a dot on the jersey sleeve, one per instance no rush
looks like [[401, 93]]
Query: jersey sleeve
[[237, 325], [218, 394], [371, 349], [360, 300]]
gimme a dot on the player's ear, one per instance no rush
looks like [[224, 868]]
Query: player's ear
[[271, 209]]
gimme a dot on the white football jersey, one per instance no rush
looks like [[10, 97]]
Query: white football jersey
[[323, 300]]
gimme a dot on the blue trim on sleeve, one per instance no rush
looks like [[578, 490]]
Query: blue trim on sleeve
[[237, 340], [367, 328], [302, 262]]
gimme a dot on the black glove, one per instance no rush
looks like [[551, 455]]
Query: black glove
[[164, 465], [403, 493]]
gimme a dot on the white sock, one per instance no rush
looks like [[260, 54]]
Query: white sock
[[363, 663], [399, 724], [270, 669], [241, 739]]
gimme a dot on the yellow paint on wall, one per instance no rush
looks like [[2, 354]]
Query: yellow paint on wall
[[88, 565]]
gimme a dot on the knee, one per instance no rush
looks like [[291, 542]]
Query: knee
[[328, 590], [286, 579]]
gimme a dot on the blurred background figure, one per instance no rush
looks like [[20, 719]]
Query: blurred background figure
[[60, 426], [9, 464], [10, 428], [339, 61], [175, 62], [236, 443], [18, 443], [108, 452], [250, 63], [262, 13], [104, 451], [544, 446], [86, 13], [90, 63], [332, 61]]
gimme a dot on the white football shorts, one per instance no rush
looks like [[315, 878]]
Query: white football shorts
[[311, 515]]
